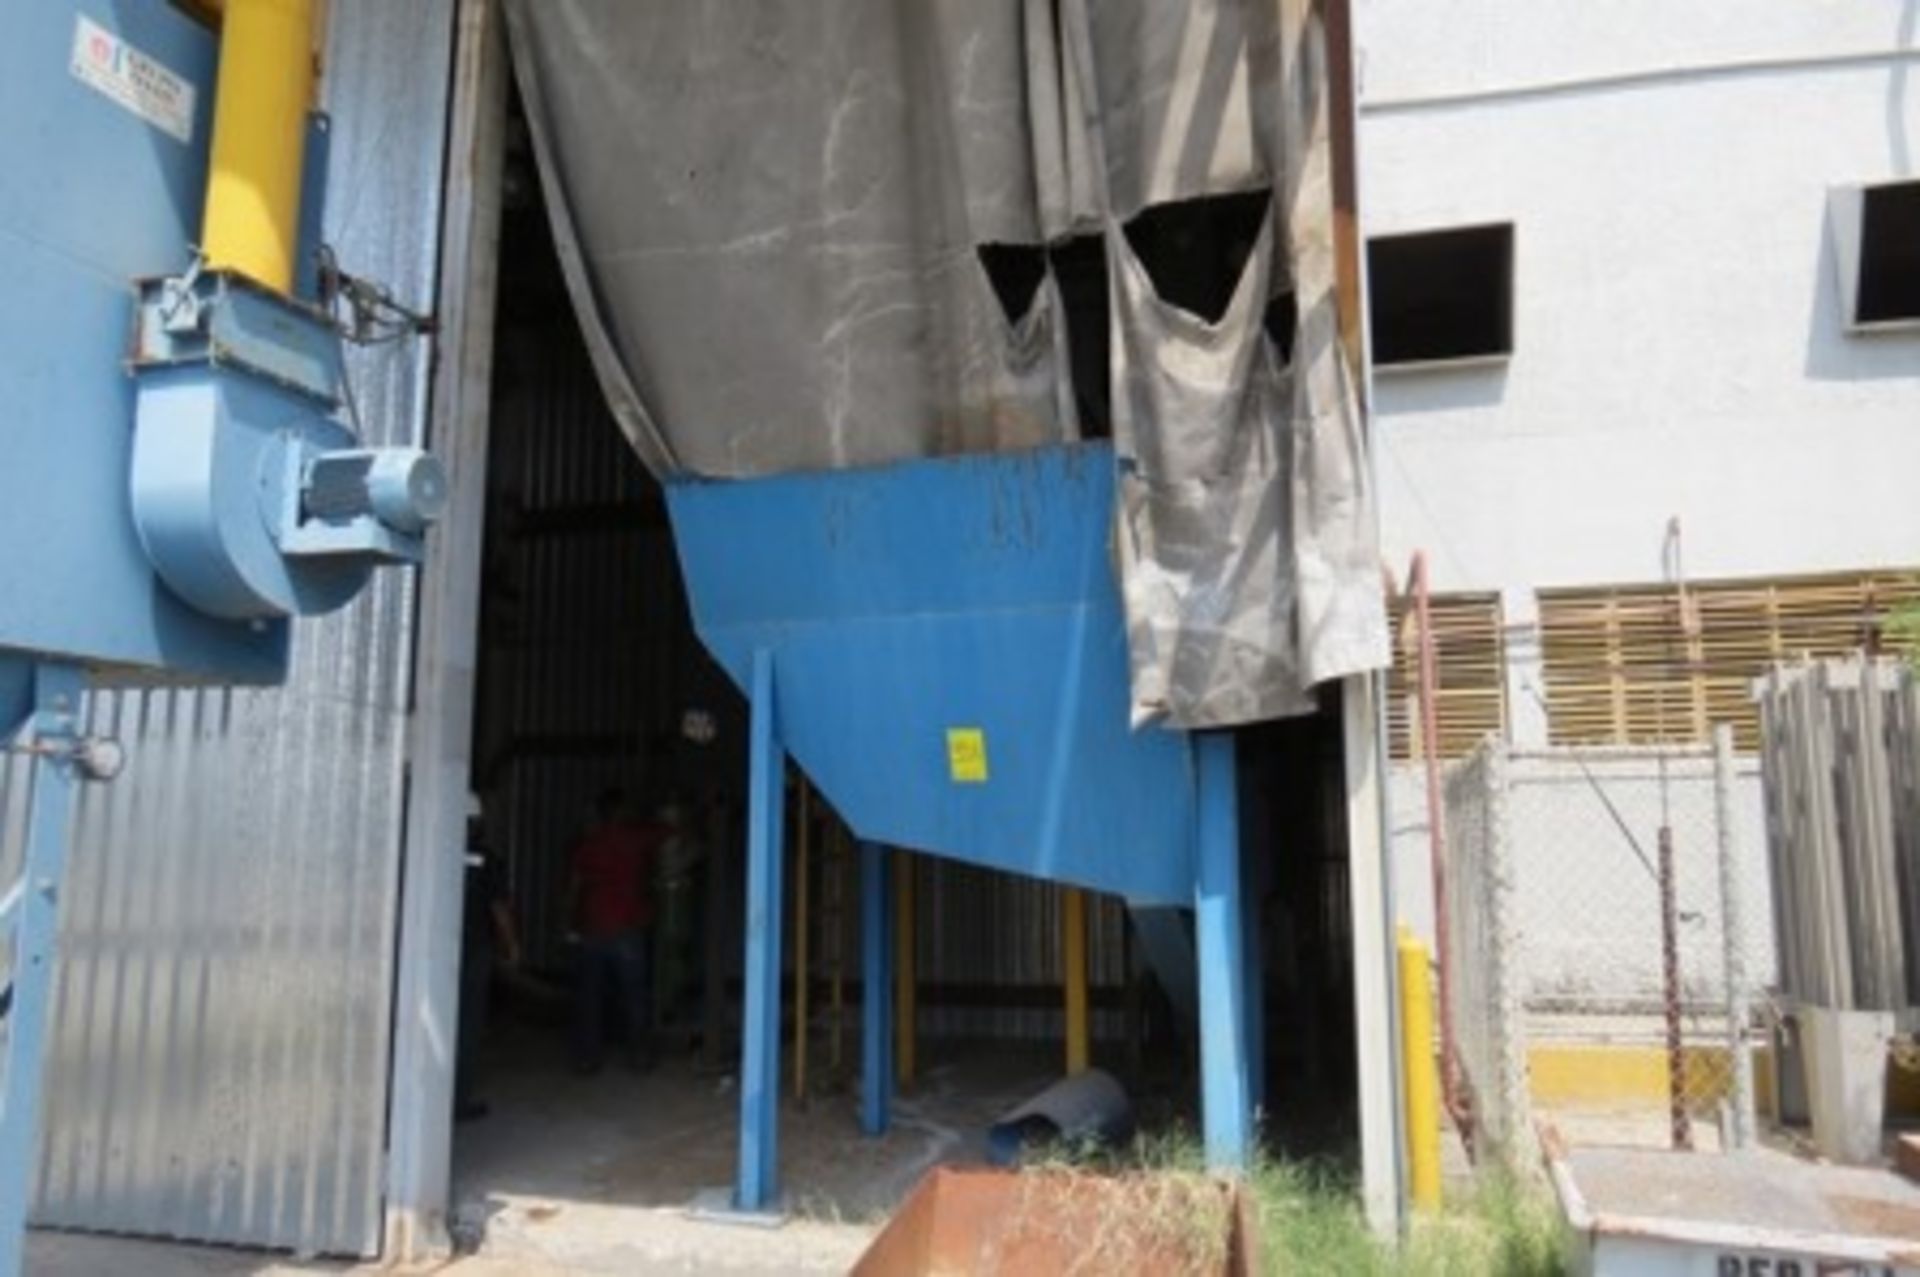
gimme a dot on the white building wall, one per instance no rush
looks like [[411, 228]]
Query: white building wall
[[1679, 345]]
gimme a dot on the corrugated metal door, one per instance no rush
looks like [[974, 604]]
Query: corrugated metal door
[[221, 1003], [223, 1000]]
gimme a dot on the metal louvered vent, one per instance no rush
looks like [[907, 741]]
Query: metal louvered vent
[[1471, 701], [1637, 665]]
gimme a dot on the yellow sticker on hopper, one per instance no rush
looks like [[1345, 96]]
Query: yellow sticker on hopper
[[967, 755]]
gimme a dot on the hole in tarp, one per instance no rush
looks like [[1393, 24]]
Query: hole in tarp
[[1195, 250], [1015, 271], [1080, 270], [1281, 320]]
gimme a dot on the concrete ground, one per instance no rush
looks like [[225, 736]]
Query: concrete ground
[[1625, 1125], [1759, 1189], [594, 1176]]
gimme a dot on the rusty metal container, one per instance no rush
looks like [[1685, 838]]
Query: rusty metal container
[[1048, 1222]]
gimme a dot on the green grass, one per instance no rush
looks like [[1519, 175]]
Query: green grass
[[1310, 1221], [1310, 1224]]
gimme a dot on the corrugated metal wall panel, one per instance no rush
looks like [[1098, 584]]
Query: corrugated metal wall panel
[[222, 1003], [977, 930], [222, 999], [981, 929]]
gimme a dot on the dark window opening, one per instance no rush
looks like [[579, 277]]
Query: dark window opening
[[1440, 295], [1015, 271], [1195, 250], [1080, 269], [1889, 279]]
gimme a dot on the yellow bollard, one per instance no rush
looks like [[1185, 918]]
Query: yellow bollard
[[905, 1031], [252, 217], [1073, 960], [1420, 1077]]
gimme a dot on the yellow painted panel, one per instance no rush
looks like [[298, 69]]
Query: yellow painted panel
[[1573, 1075]]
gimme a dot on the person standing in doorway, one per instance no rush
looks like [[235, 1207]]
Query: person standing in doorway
[[612, 873]]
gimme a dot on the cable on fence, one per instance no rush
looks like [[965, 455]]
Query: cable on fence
[[1619, 821]]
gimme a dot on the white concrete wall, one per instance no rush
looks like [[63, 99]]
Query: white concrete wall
[[1679, 348]]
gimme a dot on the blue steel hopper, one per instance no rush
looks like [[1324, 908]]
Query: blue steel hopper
[[940, 646]]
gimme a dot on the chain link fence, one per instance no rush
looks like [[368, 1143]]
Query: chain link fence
[[1602, 944]]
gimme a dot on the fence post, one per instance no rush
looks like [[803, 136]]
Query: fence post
[[1502, 955], [1733, 928]]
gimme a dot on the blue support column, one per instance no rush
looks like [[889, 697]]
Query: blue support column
[[31, 905], [760, 1031], [876, 989], [1225, 1113]]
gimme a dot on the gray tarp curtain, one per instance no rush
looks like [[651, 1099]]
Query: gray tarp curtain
[[770, 214]]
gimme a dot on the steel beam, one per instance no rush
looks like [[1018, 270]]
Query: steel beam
[[758, 1183], [419, 1171], [1225, 1113]]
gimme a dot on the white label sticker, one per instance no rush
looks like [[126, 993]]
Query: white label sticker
[[105, 62]]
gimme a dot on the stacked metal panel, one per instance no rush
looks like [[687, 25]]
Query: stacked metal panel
[[1840, 752]]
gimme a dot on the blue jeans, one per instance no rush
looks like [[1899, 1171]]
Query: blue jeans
[[621, 963]]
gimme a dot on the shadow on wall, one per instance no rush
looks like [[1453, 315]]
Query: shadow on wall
[[1834, 353], [1899, 150]]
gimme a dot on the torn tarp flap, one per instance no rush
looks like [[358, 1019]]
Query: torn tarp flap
[[1201, 419], [771, 216]]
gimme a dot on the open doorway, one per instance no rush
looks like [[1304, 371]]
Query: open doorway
[[590, 680], [1294, 834], [592, 693]]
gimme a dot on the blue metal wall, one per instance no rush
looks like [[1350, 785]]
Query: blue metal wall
[[223, 998]]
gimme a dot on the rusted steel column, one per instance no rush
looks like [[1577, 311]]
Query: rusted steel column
[[1429, 665], [1670, 988]]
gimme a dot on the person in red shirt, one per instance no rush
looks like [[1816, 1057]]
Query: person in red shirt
[[612, 895]]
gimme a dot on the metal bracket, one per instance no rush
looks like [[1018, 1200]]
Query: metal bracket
[[223, 318], [95, 758]]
